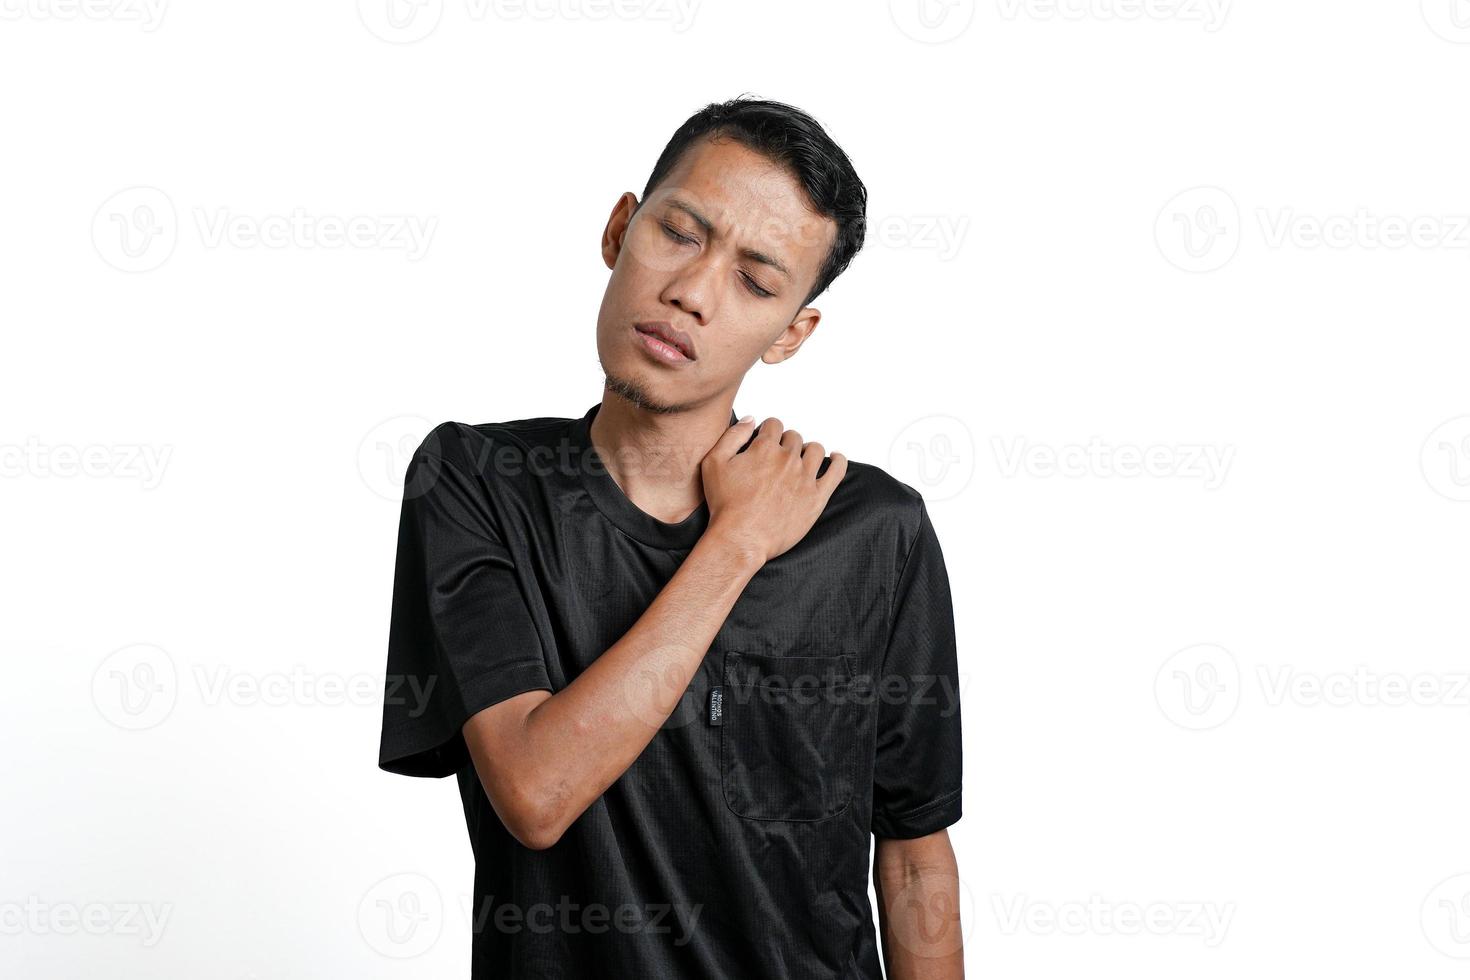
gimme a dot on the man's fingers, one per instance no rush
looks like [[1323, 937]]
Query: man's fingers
[[836, 470], [730, 441], [811, 457]]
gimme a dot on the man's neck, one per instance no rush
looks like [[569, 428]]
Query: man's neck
[[655, 457]]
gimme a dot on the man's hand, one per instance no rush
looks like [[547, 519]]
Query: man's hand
[[765, 499]]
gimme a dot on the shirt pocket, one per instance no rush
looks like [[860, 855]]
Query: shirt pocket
[[788, 736]]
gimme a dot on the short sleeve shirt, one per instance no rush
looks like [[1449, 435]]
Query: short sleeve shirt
[[736, 845]]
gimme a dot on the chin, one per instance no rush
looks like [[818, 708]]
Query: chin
[[651, 398]]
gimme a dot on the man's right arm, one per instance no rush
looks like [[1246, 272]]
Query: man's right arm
[[544, 758]]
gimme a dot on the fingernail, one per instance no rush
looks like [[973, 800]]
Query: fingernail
[[747, 418]]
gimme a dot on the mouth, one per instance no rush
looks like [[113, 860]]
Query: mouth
[[662, 340]]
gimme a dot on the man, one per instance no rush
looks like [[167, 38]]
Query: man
[[684, 666]]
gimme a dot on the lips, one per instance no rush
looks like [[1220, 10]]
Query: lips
[[665, 331]]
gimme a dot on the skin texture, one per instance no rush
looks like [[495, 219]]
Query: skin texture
[[725, 249], [918, 888]]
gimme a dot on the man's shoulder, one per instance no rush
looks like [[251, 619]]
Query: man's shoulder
[[878, 499], [475, 447]]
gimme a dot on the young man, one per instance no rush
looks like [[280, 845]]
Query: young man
[[685, 667]]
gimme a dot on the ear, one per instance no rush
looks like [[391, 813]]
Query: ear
[[793, 336], [617, 227]]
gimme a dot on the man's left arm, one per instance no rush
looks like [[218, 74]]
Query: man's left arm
[[918, 771], [918, 888]]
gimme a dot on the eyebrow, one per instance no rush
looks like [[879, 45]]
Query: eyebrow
[[709, 229]]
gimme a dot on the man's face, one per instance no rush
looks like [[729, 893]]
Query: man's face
[[724, 250]]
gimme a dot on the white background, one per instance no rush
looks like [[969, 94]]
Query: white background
[[1228, 698]]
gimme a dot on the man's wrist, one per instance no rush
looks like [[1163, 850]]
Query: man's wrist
[[736, 553]]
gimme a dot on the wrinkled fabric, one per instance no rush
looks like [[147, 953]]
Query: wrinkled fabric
[[736, 847]]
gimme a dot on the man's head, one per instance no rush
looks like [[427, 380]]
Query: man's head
[[750, 213]]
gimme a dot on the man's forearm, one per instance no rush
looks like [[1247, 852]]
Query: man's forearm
[[569, 747], [918, 888]]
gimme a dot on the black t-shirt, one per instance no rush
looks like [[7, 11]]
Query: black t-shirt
[[736, 847]]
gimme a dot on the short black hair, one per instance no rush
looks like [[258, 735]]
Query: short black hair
[[792, 138]]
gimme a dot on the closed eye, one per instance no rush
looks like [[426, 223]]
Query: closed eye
[[677, 236], [756, 287]]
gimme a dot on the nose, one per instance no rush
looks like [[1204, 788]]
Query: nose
[[693, 288]]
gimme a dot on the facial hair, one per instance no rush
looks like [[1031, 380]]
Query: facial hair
[[637, 395]]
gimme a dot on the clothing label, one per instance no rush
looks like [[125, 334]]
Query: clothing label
[[717, 706]]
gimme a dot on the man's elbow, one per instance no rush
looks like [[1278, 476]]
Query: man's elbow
[[534, 814]]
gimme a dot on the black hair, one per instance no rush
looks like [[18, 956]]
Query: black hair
[[792, 138]]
